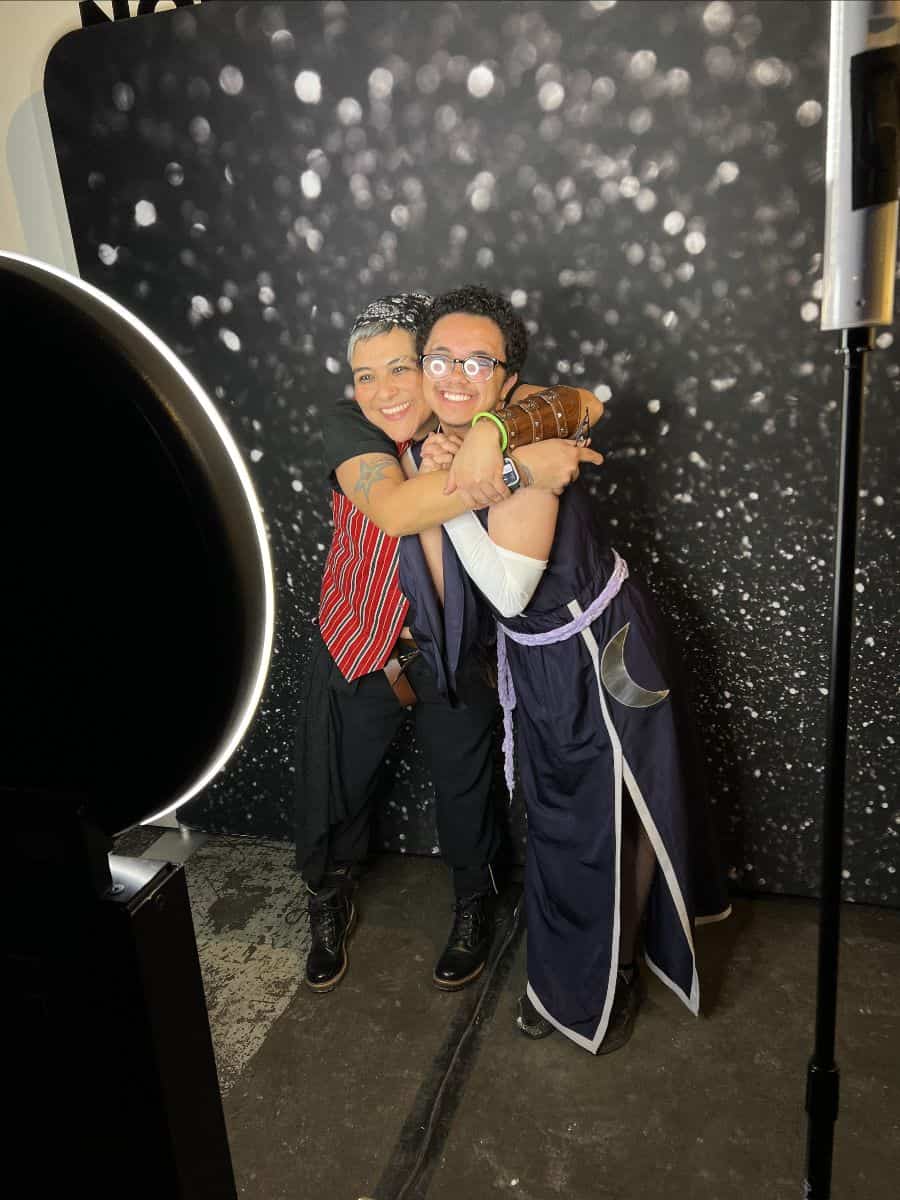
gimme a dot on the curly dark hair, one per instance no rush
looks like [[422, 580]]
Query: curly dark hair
[[481, 302]]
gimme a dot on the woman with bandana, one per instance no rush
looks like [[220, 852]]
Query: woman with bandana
[[364, 670], [617, 825]]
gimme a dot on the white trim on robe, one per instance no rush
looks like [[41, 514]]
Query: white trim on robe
[[624, 774]]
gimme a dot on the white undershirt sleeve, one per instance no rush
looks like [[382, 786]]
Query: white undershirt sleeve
[[508, 579]]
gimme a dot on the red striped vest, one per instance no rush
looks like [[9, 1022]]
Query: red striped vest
[[361, 607]]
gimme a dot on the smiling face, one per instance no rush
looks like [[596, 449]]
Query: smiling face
[[387, 383], [456, 398]]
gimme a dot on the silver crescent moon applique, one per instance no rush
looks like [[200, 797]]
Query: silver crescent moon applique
[[616, 679]]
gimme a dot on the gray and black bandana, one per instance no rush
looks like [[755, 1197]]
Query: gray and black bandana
[[406, 309]]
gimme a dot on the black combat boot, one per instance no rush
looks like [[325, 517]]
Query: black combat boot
[[631, 991], [629, 996], [530, 1021], [332, 916], [467, 947]]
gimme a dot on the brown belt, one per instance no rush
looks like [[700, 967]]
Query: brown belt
[[395, 671]]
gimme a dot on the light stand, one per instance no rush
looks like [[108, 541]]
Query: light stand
[[823, 1075], [861, 247]]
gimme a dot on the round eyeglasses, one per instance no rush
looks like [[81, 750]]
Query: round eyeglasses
[[477, 367]]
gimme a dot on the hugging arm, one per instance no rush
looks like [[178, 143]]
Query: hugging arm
[[507, 560], [376, 485], [503, 573], [479, 464], [374, 482], [364, 461]]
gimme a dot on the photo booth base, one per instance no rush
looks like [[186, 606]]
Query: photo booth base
[[112, 1065]]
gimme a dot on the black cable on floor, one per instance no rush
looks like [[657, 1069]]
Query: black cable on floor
[[439, 1085]]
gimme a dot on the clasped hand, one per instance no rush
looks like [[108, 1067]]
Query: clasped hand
[[438, 452], [476, 467]]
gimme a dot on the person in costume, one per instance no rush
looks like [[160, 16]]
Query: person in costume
[[619, 844], [364, 670]]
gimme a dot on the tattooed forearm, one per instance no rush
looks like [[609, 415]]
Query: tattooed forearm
[[371, 472]]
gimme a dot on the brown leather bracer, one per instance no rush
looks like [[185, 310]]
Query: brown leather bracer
[[552, 413]]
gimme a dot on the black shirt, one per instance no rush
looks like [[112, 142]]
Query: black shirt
[[346, 433]]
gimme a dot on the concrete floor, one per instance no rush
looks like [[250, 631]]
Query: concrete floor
[[328, 1096]]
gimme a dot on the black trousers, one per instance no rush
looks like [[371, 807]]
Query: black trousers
[[346, 732]]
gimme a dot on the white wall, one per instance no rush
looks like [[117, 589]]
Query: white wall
[[32, 211]]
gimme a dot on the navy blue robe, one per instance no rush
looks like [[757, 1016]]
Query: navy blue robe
[[579, 749]]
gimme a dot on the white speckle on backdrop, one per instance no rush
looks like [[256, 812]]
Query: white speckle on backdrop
[[809, 113], [311, 185], [480, 82], [200, 130], [123, 97], [695, 242], [308, 87], [145, 213], [381, 83], [349, 111], [231, 81], [551, 95]]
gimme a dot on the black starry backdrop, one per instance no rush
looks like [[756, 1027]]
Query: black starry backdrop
[[646, 181]]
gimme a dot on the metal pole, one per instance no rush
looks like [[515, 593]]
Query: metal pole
[[822, 1081]]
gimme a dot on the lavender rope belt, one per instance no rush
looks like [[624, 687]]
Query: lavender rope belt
[[505, 688]]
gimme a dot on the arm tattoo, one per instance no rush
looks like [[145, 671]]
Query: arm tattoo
[[525, 472], [371, 472]]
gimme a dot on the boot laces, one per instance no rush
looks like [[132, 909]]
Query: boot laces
[[468, 918], [323, 915]]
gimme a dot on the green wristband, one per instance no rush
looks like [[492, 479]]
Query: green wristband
[[504, 436]]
